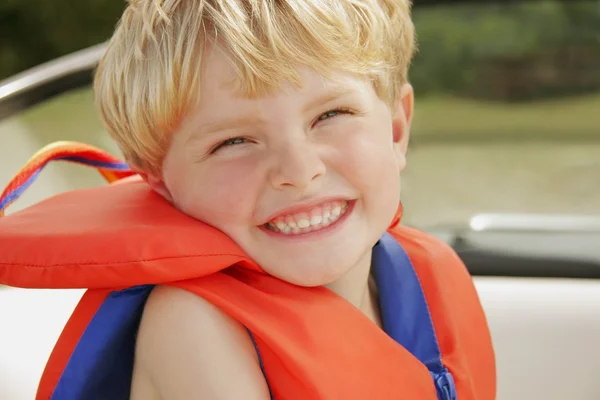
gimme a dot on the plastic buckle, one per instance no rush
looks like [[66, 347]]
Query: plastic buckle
[[444, 384]]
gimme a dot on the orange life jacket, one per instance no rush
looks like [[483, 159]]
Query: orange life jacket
[[120, 240]]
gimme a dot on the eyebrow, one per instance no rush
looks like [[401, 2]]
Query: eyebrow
[[332, 93], [231, 123]]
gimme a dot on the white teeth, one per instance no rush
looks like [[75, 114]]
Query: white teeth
[[303, 223], [337, 210], [315, 220]]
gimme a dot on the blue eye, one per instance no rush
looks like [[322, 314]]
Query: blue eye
[[229, 142]]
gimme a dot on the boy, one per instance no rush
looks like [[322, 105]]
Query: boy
[[285, 124]]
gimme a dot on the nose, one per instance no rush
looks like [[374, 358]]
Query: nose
[[297, 165]]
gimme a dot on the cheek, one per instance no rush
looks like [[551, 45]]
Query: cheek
[[218, 195], [367, 159]]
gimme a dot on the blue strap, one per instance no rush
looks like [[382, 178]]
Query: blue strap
[[101, 366], [405, 313]]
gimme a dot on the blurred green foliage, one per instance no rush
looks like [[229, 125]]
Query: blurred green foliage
[[515, 51], [35, 31], [511, 51]]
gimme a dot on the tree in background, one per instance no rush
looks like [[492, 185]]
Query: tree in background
[[512, 52], [492, 50], [36, 31]]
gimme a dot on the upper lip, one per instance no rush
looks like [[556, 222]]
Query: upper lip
[[305, 206]]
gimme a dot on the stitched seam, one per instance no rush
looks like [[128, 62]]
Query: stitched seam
[[122, 262], [260, 362]]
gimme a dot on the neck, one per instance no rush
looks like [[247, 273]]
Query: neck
[[356, 288]]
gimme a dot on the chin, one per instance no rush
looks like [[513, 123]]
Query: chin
[[312, 281], [318, 275]]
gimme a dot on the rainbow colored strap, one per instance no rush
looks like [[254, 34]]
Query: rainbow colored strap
[[110, 167]]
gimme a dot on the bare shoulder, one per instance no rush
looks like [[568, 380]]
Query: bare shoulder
[[188, 348]]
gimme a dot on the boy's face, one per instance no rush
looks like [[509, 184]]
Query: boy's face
[[305, 181]]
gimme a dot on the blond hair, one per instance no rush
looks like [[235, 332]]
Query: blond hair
[[148, 78]]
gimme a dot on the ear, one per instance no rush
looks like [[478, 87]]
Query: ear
[[401, 122], [157, 184]]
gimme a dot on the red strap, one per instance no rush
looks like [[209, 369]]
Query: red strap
[[110, 167], [74, 329]]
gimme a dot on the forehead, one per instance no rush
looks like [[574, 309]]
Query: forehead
[[221, 105], [219, 80]]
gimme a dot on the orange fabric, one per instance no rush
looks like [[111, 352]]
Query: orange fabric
[[459, 321], [314, 344], [76, 240]]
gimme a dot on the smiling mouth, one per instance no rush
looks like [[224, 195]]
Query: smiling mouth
[[315, 219]]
